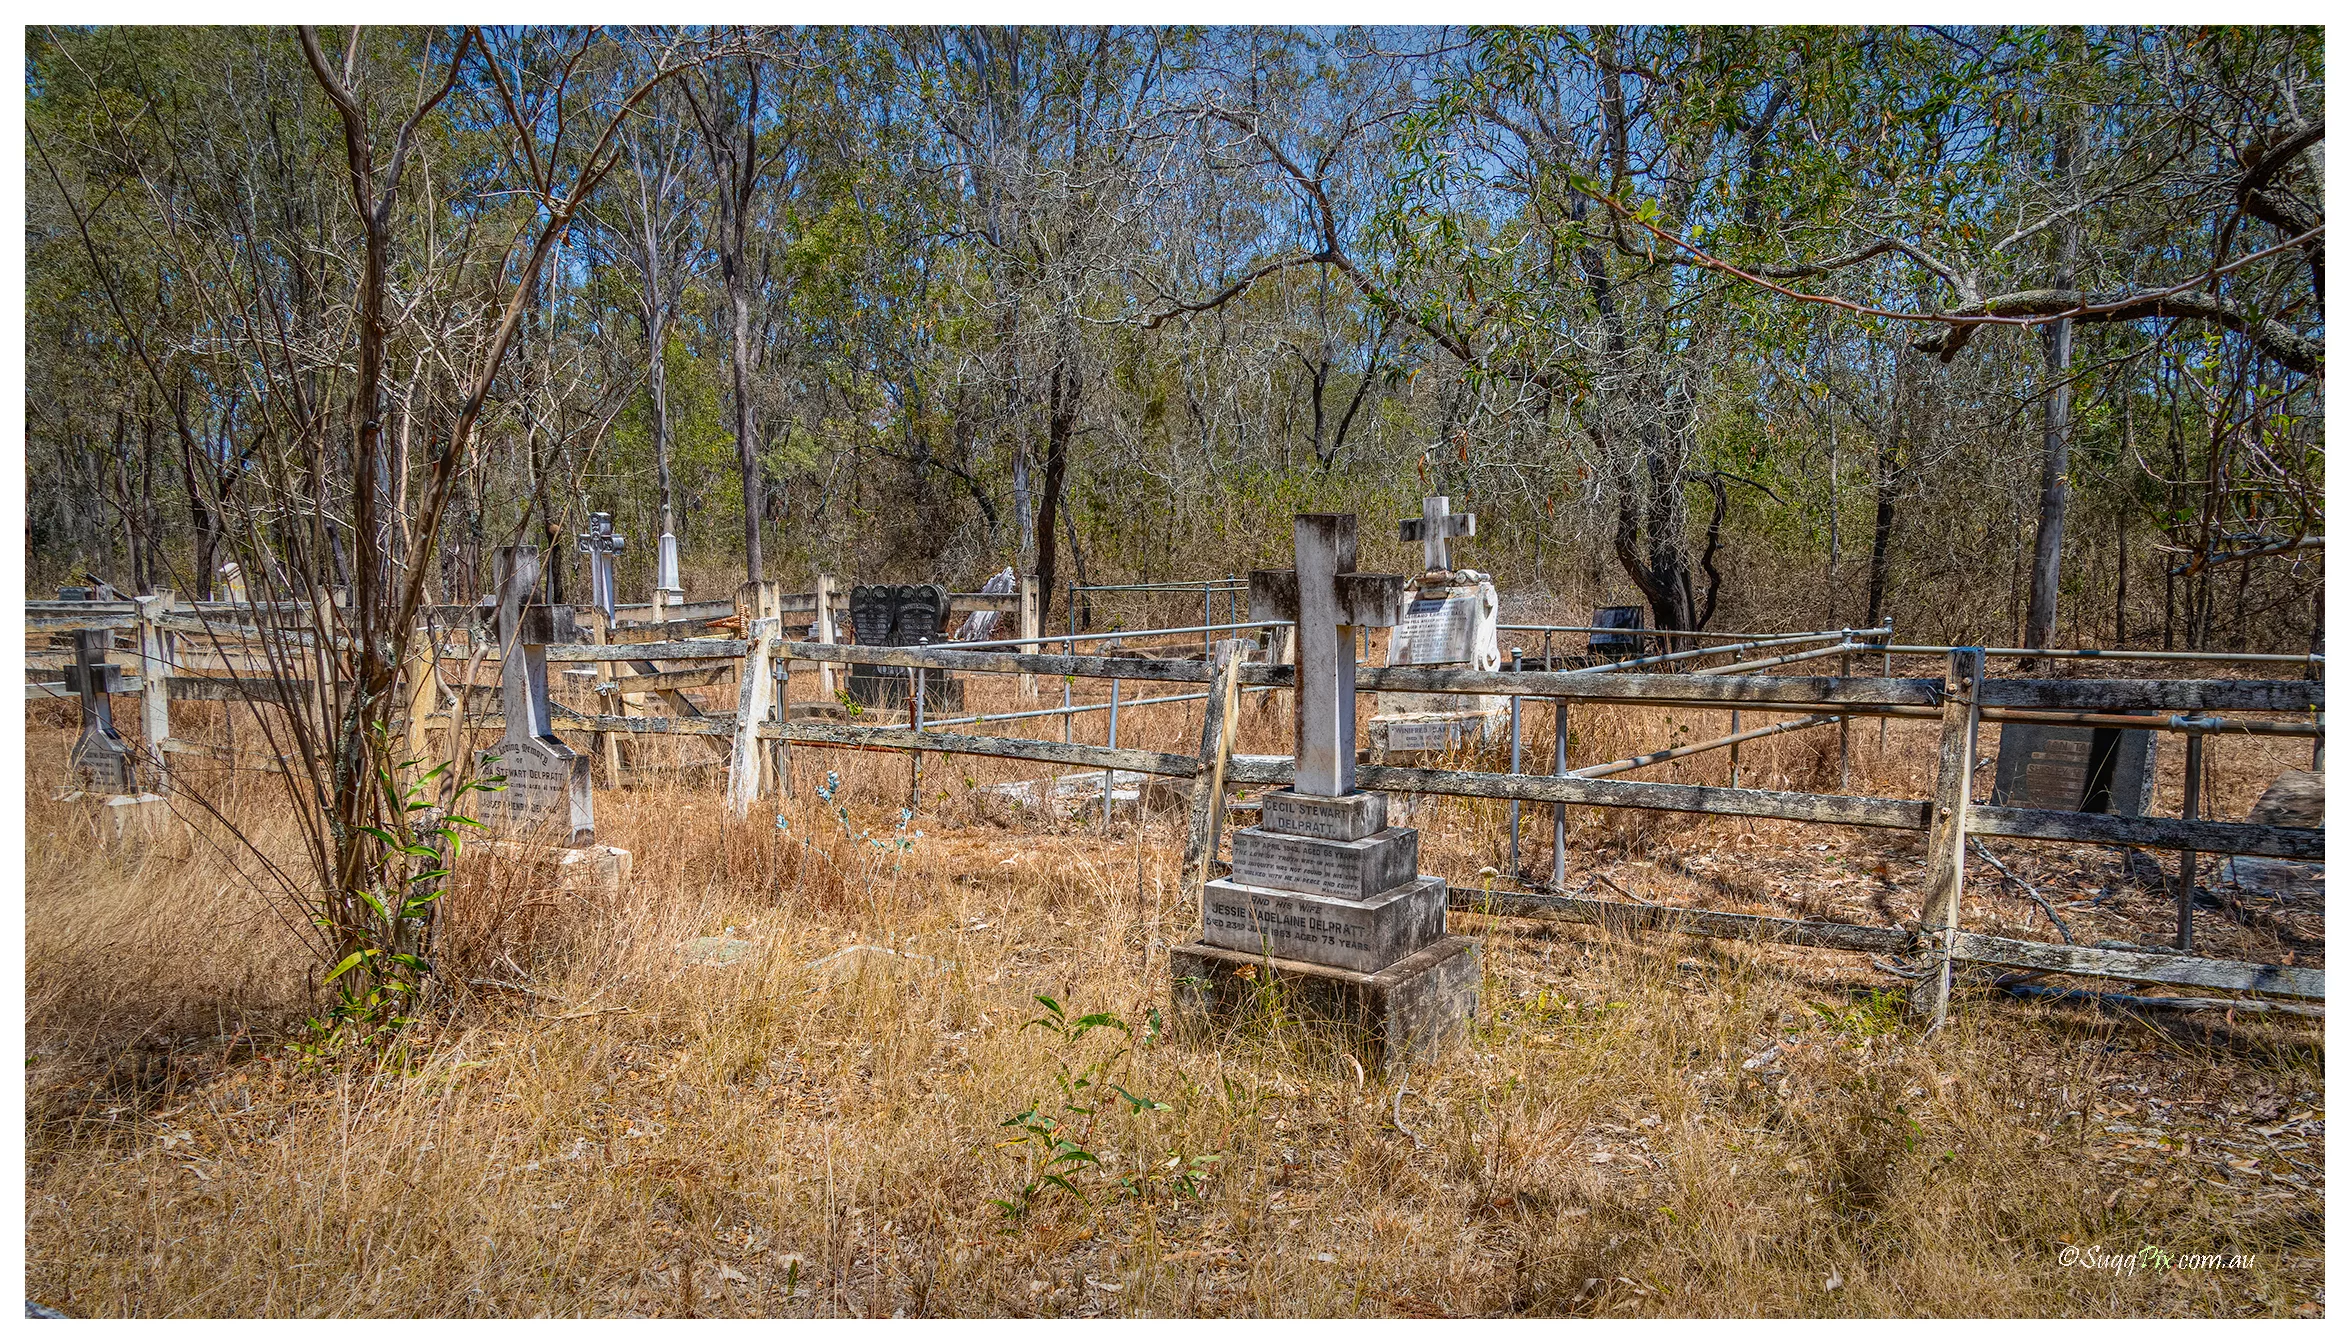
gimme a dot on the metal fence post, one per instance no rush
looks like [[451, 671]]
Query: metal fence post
[[2189, 859], [1558, 811]]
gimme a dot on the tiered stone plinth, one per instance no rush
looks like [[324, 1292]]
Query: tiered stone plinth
[[1327, 906]]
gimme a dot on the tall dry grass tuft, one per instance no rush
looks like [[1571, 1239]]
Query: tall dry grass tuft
[[790, 1070]]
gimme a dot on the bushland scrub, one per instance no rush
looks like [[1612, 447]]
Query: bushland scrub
[[797, 1068]]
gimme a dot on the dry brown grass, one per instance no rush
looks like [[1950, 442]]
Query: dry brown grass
[[636, 1133]]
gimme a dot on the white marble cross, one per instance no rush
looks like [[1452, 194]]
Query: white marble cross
[[1435, 528], [601, 544], [1328, 600]]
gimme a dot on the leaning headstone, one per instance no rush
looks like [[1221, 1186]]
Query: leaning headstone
[[1448, 621], [546, 782], [1326, 899], [2067, 769], [899, 616], [101, 767], [981, 625]]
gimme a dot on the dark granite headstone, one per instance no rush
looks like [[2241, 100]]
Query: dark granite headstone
[[2066, 769], [1619, 630], [899, 616]]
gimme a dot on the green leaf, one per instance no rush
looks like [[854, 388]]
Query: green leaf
[[346, 964]]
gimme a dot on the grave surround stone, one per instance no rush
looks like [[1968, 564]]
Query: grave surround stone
[[546, 783]]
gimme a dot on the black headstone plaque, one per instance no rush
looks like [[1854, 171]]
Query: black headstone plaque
[[899, 616], [1619, 631], [2066, 769]]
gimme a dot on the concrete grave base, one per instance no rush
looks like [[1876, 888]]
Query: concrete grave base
[[126, 818], [1357, 935], [1409, 1012], [599, 871]]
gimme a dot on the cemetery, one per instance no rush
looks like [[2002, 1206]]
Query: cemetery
[[883, 717]]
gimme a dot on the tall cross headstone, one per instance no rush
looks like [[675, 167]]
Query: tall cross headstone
[[1329, 601], [601, 544], [1324, 895], [101, 761], [1434, 529], [546, 781]]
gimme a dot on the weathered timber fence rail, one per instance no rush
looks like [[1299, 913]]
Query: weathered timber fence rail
[[1959, 701]]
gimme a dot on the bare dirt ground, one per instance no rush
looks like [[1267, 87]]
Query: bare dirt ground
[[700, 1099]]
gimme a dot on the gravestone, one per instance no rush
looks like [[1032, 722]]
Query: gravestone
[[1325, 898], [900, 616], [602, 544], [2067, 769], [1618, 632], [101, 767], [665, 575], [100, 762], [1449, 621], [981, 625], [546, 782]]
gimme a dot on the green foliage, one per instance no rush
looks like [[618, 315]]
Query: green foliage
[[386, 927], [1056, 1137]]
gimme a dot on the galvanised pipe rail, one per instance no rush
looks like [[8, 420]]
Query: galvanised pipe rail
[[1676, 753], [1057, 710], [2149, 655]]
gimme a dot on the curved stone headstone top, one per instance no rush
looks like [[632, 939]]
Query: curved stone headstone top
[[1450, 623]]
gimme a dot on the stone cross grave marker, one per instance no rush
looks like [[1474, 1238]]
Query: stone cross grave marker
[[546, 781], [1435, 528], [101, 761], [601, 544], [1328, 600]]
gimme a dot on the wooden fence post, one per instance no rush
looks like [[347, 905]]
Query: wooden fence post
[[827, 588], [1207, 787], [155, 674], [1031, 625], [1946, 830], [607, 745], [755, 603], [423, 678]]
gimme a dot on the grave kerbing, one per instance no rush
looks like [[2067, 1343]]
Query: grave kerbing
[[1325, 900]]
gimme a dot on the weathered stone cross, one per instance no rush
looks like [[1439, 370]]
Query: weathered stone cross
[[1327, 599], [601, 544], [1435, 528], [546, 781], [101, 762]]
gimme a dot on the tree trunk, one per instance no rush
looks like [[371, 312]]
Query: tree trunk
[[746, 440], [2056, 435], [1060, 424]]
